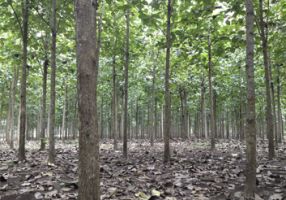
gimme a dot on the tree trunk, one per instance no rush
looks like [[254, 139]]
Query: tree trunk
[[167, 117], [52, 153], [269, 114], [125, 126], [12, 108], [241, 102], [203, 90], [155, 119], [274, 113], [44, 104], [114, 98], [227, 126], [22, 125], [9, 116], [250, 131], [64, 126], [89, 183], [152, 106], [184, 113], [137, 121], [211, 96], [151, 121], [279, 110]]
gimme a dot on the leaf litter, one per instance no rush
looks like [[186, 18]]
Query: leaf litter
[[194, 172]]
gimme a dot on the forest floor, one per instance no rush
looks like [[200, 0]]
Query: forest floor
[[194, 172]]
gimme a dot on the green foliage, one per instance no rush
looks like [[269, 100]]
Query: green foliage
[[192, 23]]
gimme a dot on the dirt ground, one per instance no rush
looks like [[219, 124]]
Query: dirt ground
[[194, 172]]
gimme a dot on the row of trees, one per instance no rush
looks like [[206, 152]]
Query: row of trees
[[199, 90], [217, 42]]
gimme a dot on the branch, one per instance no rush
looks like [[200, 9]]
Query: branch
[[42, 17], [17, 17], [258, 25]]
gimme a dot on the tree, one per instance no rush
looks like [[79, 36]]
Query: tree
[[211, 95], [87, 87], [11, 112], [250, 172], [22, 127], [184, 112], [267, 76], [125, 120], [114, 98], [52, 153], [43, 110], [167, 117]]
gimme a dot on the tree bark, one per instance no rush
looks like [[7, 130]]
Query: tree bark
[[52, 154], [153, 104], [203, 121], [114, 98], [279, 110], [64, 126], [12, 108], [274, 113], [137, 120], [167, 117], [269, 114], [184, 113], [44, 105], [156, 119], [211, 95], [241, 103], [89, 183], [250, 131], [22, 125], [126, 65]]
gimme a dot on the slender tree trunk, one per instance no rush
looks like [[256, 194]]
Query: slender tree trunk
[[9, 116], [274, 114], [64, 126], [137, 120], [102, 121], [208, 124], [227, 126], [114, 98], [75, 119], [155, 119], [121, 120], [99, 31], [212, 112], [89, 183], [13, 96], [203, 90], [162, 122], [241, 102], [167, 117], [126, 85], [184, 113], [269, 114], [22, 125], [52, 153], [279, 110], [250, 172], [153, 99], [149, 124]]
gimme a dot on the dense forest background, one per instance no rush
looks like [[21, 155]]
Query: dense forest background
[[163, 70], [194, 25]]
